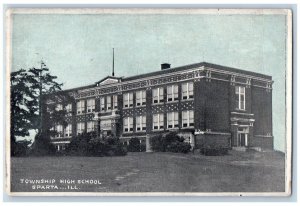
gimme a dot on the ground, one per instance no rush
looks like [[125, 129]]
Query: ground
[[153, 172]]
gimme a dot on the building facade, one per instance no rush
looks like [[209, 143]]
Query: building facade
[[199, 101]]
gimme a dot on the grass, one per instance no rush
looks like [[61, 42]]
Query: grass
[[156, 172]]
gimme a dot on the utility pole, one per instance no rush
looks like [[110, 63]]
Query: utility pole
[[113, 63], [40, 97]]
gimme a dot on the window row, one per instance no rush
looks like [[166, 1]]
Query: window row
[[59, 107], [111, 102], [90, 126], [106, 104], [61, 132], [187, 91], [158, 121]]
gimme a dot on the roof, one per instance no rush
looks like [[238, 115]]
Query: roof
[[181, 68], [190, 66]]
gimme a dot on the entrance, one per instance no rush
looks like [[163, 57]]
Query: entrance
[[243, 136]]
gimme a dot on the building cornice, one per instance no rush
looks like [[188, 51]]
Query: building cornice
[[193, 74]]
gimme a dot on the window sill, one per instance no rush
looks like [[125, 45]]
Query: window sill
[[127, 107], [186, 100], [157, 130], [190, 127], [160, 103], [241, 110], [175, 101], [140, 106], [80, 113], [173, 129]]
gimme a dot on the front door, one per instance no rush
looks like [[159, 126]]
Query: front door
[[243, 137]]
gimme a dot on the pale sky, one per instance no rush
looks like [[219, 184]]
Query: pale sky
[[78, 48]]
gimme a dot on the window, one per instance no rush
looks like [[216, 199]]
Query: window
[[158, 121], [68, 132], [172, 93], [240, 97], [115, 101], [59, 130], [141, 123], [187, 90], [80, 128], [59, 107], [90, 105], [80, 106], [69, 109], [90, 126], [172, 119], [128, 124], [158, 95], [188, 118], [108, 103], [102, 104], [128, 100], [140, 98]]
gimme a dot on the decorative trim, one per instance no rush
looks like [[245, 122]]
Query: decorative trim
[[268, 136], [179, 76], [62, 142], [239, 113], [234, 119], [211, 132]]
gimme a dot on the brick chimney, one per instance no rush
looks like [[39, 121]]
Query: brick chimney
[[165, 66]]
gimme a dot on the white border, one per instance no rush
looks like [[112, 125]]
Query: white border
[[157, 11]]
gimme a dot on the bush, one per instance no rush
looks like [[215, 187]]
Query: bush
[[79, 145], [20, 148], [179, 147], [89, 145], [171, 142], [42, 145], [143, 147], [134, 145], [157, 143]]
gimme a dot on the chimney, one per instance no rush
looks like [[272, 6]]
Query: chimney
[[165, 66]]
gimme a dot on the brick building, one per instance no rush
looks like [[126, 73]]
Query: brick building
[[199, 101]]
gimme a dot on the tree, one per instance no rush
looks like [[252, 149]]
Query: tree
[[23, 102], [49, 95], [30, 93]]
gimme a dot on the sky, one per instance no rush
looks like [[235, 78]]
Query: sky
[[78, 48]]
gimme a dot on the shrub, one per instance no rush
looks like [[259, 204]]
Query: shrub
[[20, 148], [79, 145], [42, 145], [113, 147], [89, 145], [179, 147], [171, 142], [157, 143], [143, 147], [134, 145]]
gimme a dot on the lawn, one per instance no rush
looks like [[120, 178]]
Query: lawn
[[154, 172]]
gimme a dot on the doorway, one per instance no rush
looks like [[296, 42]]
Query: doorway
[[243, 136]]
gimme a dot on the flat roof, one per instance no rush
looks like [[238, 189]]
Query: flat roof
[[180, 68], [190, 66]]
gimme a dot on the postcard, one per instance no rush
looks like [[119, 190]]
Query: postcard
[[148, 102]]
